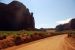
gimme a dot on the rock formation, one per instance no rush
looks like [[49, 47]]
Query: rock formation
[[72, 24], [66, 26], [15, 16]]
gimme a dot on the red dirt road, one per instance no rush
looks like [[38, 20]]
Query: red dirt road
[[58, 42]]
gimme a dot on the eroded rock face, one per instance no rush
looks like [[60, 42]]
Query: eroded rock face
[[72, 24], [66, 26], [15, 16]]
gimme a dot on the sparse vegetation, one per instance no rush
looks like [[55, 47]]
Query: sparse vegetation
[[12, 38]]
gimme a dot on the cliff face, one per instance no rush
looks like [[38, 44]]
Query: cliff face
[[15, 16], [67, 26], [72, 24]]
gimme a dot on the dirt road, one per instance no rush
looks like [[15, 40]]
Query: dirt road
[[52, 43]]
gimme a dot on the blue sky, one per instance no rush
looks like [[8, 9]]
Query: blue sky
[[49, 13]]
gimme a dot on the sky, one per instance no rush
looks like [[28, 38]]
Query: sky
[[49, 13]]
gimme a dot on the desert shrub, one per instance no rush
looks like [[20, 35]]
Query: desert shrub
[[23, 38], [48, 34], [28, 39], [10, 40], [1, 44], [35, 36], [43, 35], [18, 40], [2, 37]]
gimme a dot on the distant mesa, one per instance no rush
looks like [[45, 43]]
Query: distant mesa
[[66, 26], [15, 16]]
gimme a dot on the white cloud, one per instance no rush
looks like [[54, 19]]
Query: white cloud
[[64, 21]]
